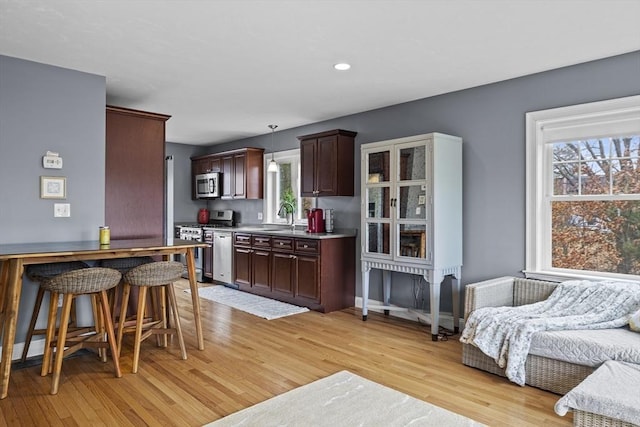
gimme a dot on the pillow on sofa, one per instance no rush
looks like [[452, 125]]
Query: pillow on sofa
[[634, 321]]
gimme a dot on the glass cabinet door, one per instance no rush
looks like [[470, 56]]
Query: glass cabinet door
[[378, 167], [411, 163], [377, 202], [378, 235], [395, 195], [411, 209], [412, 240]]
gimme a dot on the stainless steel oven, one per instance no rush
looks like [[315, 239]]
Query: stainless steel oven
[[192, 232]]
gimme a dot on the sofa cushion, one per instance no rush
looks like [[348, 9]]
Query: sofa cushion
[[634, 322], [588, 347]]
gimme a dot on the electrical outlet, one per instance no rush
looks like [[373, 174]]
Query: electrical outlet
[[259, 216], [61, 210]]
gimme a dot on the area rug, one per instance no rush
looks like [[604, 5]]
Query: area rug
[[258, 306], [343, 399]]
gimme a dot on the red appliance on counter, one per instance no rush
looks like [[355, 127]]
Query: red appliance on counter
[[315, 221], [203, 216]]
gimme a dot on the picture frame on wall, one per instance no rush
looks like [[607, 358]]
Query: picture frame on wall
[[53, 187]]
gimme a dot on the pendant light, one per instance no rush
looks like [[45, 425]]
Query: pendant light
[[273, 166]]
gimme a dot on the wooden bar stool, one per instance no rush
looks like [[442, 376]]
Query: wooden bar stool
[[94, 281], [122, 265], [159, 275], [41, 273]]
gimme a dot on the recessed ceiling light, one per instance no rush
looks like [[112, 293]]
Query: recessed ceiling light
[[342, 66]]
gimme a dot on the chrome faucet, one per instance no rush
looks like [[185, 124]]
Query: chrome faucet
[[282, 210]]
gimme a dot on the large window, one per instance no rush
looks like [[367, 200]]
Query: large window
[[583, 191], [282, 190]]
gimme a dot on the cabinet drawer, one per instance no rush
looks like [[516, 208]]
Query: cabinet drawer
[[261, 241], [282, 244], [309, 246], [240, 239]]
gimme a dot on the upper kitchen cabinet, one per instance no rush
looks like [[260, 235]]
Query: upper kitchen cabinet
[[205, 165], [134, 178], [326, 160], [242, 172]]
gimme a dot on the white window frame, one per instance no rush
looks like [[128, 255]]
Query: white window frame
[[270, 200], [613, 117]]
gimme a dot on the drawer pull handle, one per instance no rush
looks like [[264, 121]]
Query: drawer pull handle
[[305, 246]]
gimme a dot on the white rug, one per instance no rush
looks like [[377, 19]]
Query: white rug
[[258, 306], [343, 399]]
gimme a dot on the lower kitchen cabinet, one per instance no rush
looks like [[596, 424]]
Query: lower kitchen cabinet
[[260, 264], [252, 262], [283, 273], [315, 273], [307, 279], [242, 267]]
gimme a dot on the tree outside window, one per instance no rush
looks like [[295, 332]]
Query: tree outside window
[[596, 235]]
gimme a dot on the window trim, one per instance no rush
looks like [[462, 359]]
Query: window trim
[[614, 116], [268, 203]]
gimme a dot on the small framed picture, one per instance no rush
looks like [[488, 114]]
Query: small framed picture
[[53, 187]]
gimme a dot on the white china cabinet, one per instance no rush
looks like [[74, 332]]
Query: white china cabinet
[[412, 216]]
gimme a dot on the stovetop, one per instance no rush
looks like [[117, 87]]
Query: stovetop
[[222, 218]]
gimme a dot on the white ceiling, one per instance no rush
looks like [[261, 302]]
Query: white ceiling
[[224, 70]]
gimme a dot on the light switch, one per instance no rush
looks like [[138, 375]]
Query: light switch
[[61, 210]]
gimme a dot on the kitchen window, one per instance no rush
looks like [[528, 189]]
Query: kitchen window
[[284, 186], [583, 191]]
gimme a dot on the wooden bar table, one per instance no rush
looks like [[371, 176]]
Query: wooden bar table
[[15, 256]]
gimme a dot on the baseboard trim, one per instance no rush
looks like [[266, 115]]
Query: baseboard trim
[[35, 349]]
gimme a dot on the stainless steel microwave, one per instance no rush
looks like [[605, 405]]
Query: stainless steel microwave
[[207, 185]]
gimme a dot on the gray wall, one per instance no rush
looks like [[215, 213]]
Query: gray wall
[[49, 108], [185, 210], [491, 121]]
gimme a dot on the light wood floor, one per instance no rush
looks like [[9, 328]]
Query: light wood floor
[[248, 360]]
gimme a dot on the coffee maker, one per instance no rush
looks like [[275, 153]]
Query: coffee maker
[[315, 221]]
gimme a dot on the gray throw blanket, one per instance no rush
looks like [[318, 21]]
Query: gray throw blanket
[[504, 333]]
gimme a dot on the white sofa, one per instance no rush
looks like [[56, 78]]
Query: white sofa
[[558, 360]]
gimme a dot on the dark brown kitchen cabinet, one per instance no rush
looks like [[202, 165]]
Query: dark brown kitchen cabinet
[[327, 163], [135, 173], [283, 262], [242, 172], [242, 271], [252, 265], [307, 270], [261, 262], [315, 273], [283, 270]]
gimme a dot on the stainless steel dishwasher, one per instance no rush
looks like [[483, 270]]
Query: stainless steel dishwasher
[[223, 257]]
